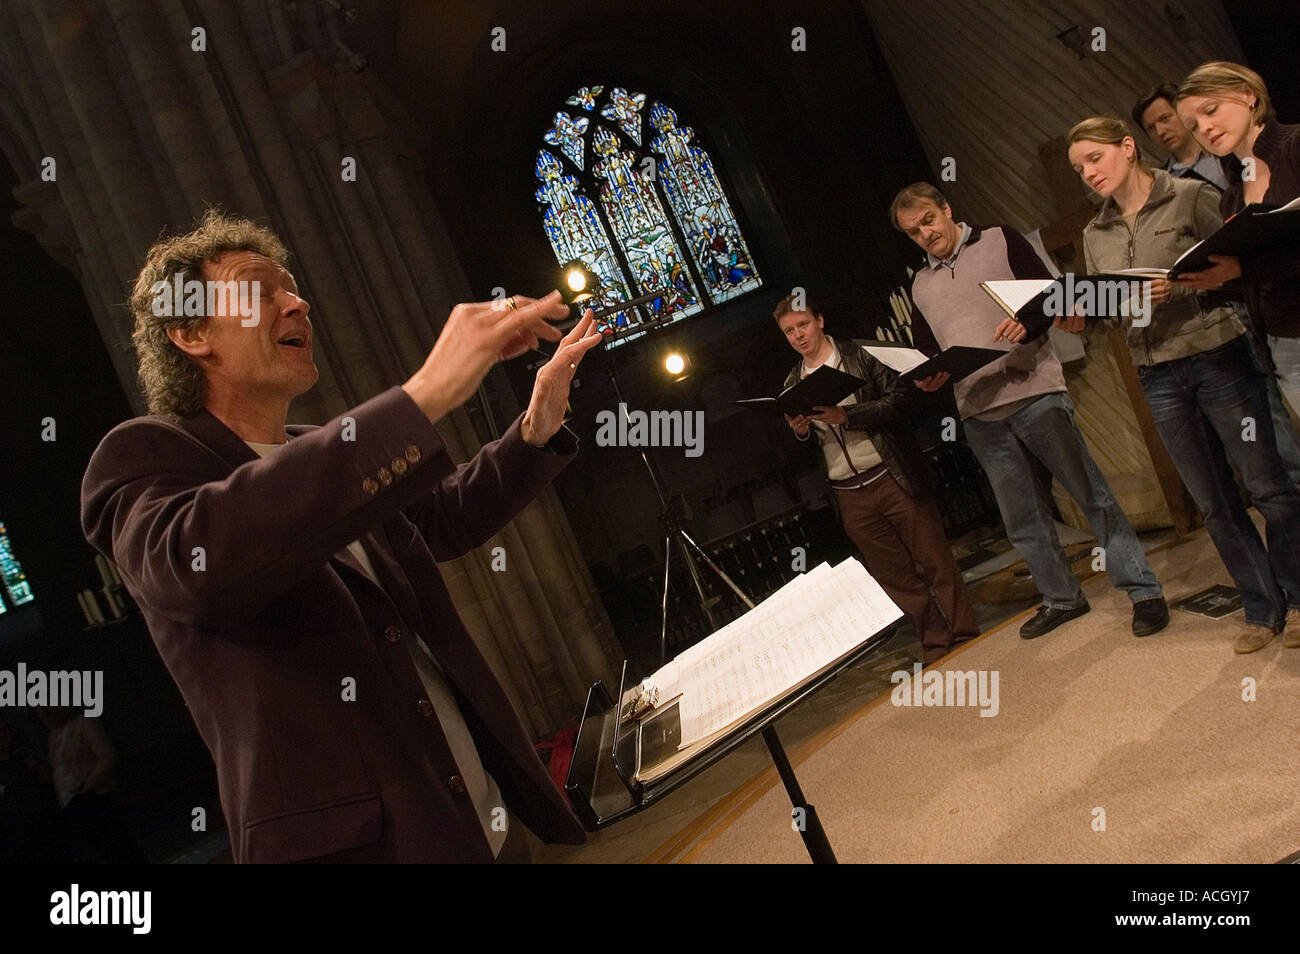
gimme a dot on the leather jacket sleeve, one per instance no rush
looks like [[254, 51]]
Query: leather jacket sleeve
[[897, 398]]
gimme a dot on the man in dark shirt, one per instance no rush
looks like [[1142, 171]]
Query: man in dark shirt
[[1156, 115]]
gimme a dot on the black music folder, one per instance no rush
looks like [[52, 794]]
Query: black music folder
[[825, 387], [1254, 228], [959, 361]]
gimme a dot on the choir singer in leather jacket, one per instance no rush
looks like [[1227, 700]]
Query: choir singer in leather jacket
[[882, 481]]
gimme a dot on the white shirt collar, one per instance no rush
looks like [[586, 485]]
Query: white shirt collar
[[832, 362]]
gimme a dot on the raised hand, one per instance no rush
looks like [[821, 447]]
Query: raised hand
[[476, 336], [550, 395]]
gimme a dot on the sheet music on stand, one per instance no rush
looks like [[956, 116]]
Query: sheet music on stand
[[799, 631]]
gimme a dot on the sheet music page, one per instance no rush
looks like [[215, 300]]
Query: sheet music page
[[1015, 293], [808, 624], [667, 681], [1141, 272], [901, 360]]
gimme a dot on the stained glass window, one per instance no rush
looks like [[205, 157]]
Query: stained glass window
[[585, 97], [625, 110], [632, 195], [702, 210], [566, 132], [15, 582]]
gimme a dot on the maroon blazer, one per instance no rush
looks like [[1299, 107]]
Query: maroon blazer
[[233, 560]]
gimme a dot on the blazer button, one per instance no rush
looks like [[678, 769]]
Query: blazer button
[[426, 707], [385, 476], [412, 454], [370, 485], [398, 465], [457, 784], [392, 634]]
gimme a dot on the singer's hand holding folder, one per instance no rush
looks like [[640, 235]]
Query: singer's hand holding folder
[[1032, 301], [825, 387], [958, 361], [1253, 228]]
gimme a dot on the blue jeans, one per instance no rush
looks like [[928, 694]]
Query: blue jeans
[[1045, 429], [1288, 444], [1203, 405], [1286, 356]]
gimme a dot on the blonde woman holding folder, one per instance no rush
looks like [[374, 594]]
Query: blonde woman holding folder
[[1196, 370], [1227, 109]]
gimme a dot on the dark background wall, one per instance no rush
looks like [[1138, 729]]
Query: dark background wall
[[811, 145], [1270, 34], [53, 364]]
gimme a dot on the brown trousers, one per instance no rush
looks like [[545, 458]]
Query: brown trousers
[[904, 547]]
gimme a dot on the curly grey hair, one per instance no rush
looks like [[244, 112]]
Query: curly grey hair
[[172, 382]]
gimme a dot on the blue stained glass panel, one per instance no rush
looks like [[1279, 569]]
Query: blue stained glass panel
[[625, 109], [575, 231], [585, 97], [11, 572], [567, 134], [702, 210], [640, 226]]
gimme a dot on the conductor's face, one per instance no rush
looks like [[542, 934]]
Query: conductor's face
[[930, 226], [803, 330], [262, 352]]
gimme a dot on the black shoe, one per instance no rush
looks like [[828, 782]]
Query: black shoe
[[1047, 619], [1150, 616]]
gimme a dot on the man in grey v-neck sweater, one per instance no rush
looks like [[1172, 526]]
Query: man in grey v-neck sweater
[[1017, 409]]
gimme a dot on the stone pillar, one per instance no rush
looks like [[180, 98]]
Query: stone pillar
[[147, 131]]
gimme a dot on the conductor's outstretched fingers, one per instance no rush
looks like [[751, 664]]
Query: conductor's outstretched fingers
[[550, 395], [526, 320]]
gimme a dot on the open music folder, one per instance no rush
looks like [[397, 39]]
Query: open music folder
[[1253, 228], [958, 361], [803, 629], [825, 387]]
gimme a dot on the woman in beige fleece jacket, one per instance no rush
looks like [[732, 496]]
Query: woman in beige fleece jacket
[[1207, 397]]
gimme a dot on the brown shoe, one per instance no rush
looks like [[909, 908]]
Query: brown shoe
[[1292, 638], [1253, 639]]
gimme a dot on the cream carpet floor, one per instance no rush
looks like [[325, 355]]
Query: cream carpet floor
[[1105, 748]]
